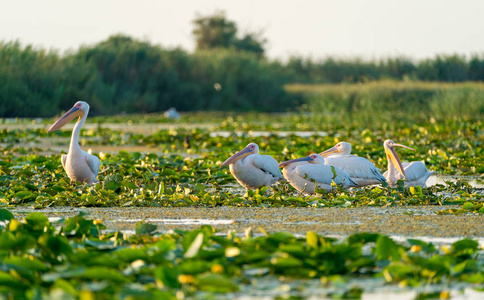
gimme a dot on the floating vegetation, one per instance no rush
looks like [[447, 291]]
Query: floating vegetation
[[76, 257], [181, 167]]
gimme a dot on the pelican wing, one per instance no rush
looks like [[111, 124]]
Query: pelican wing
[[267, 164], [356, 167], [415, 170], [93, 163], [319, 173]]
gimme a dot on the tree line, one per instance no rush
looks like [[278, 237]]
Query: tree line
[[227, 72]]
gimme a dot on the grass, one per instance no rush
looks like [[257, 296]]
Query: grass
[[379, 102]]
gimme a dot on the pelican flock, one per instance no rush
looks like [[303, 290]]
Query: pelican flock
[[358, 168], [253, 170], [80, 166], [307, 172], [414, 173]]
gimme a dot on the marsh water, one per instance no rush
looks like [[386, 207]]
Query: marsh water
[[420, 222]]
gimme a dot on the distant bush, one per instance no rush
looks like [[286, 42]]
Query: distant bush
[[123, 75], [29, 81]]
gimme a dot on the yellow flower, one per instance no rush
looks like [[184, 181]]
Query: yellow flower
[[217, 268], [416, 248], [186, 278]]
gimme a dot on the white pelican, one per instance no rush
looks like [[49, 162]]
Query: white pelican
[[414, 173], [358, 168], [253, 170], [300, 171], [79, 165]]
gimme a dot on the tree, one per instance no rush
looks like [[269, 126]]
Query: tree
[[216, 31]]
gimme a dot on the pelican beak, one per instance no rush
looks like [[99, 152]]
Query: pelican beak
[[393, 157], [329, 151], [403, 146], [239, 155], [66, 118], [287, 162]]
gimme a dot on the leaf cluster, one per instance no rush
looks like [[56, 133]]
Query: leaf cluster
[[76, 257]]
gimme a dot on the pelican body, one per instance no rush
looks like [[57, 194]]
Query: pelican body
[[300, 171], [360, 169], [80, 166], [253, 170], [414, 173]]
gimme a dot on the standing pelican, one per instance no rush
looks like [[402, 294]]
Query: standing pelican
[[79, 165], [358, 168], [414, 173], [300, 171], [253, 170]]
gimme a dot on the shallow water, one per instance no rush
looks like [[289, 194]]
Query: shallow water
[[474, 181], [268, 133], [422, 224]]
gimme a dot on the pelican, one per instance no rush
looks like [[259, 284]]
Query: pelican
[[300, 171], [414, 173], [358, 168], [253, 170], [79, 165]]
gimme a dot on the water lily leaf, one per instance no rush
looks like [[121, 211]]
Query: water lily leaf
[[194, 267], [426, 247], [165, 245], [465, 245], [286, 262], [364, 237], [399, 271], [36, 222], [145, 228], [129, 184], [66, 286], [56, 244], [104, 273], [5, 215], [130, 255], [387, 249], [12, 283], [8, 241], [78, 226], [168, 276], [32, 263], [475, 278], [297, 250], [216, 283]]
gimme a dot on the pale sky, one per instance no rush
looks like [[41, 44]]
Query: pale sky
[[342, 28]]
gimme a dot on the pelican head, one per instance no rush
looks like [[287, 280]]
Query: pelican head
[[392, 155], [341, 148], [251, 148], [312, 159], [79, 109]]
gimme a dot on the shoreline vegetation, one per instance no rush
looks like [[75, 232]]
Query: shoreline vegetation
[[126, 75]]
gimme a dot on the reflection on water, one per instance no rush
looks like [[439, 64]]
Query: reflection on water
[[178, 221], [373, 288], [474, 181], [268, 133]]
